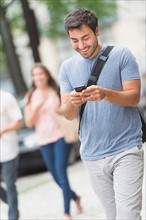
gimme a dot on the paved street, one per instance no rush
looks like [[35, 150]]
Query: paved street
[[40, 198]]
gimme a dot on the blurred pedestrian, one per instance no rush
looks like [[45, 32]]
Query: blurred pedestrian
[[11, 120], [110, 129], [41, 103]]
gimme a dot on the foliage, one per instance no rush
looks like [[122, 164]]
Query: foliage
[[57, 10], [2, 57], [3, 6], [105, 9], [13, 12], [5, 3]]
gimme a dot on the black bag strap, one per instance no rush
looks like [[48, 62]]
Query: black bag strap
[[143, 127], [95, 73], [98, 65]]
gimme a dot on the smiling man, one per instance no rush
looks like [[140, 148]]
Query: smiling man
[[84, 42], [110, 129]]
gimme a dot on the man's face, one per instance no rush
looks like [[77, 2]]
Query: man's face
[[84, 41]]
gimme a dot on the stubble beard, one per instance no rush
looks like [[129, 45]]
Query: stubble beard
[[90, 56]]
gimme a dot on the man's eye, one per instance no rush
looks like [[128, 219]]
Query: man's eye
[[86, 38], [74, 41]]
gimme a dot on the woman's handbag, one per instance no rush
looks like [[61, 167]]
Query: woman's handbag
[[69, 128]]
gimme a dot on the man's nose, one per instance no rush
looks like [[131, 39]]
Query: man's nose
[[81, 45]]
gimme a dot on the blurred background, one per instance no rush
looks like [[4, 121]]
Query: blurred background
[[33, 31]]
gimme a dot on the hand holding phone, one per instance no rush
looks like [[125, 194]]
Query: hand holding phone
[[80, 88]]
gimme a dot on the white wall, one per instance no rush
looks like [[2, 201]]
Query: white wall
[[130, 29]]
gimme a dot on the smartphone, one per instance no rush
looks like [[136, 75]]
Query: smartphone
[[80, 88]]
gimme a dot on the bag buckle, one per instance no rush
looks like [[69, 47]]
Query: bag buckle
[[104, 58]]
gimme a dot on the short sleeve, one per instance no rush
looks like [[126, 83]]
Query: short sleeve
[[128, 66], [65, 85], [13, 109]]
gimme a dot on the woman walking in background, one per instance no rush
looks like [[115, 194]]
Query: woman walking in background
[[41, 102]]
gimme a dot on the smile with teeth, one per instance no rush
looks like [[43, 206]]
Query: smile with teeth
[[84, 50]]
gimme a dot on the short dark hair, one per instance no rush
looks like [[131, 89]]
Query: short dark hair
[[78, 17]]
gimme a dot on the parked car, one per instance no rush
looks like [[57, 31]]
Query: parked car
[[31, 160], [30, 157]]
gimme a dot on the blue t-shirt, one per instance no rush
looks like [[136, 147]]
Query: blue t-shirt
[[106, 128]]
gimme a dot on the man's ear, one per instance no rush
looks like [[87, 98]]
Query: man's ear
[[97, 31]]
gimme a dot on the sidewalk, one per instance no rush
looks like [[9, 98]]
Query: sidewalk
[[40, 198]]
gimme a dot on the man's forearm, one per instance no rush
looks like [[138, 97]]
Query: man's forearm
[[69, 111], [16, 125], [122, 98]]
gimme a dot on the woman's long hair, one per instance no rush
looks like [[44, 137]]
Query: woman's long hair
[[51, 81]]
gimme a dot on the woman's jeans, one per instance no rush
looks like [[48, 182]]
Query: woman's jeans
[[56, 156], [9, 174]]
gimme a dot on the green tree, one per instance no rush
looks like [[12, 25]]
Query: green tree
[[105, 9], [13, 15], [57, 10], [6, 41]]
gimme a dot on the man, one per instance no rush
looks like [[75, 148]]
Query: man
[[11, 120], [110, 131]]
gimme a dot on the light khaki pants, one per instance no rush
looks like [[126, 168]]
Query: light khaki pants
[[117, 181]]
